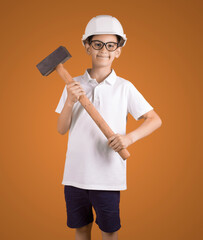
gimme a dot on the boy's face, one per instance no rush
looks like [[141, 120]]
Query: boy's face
[[103, 57]]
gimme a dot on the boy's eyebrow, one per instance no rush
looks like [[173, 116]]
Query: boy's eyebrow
[[102, 41]]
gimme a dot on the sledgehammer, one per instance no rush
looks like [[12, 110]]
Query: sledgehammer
[[55, 61]]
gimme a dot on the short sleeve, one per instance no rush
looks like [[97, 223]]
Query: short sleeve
[[137, 104], [62, 100]]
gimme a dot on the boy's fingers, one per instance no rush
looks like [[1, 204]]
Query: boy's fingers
[[113, 143], [72, 84], [75, 87], [78, 91], [112, 138], [115, 146]]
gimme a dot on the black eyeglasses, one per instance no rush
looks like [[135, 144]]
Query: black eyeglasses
[[110, 46]]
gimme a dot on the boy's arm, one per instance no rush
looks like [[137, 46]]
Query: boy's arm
[[74, 91], [151, 123], [64, 119]]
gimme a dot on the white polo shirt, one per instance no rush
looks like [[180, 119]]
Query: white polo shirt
[[90, 163]]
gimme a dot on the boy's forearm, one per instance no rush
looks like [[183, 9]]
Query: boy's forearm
[[64, 120], [147, 127]]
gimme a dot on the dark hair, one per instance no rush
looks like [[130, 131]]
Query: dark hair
[[119, 39]]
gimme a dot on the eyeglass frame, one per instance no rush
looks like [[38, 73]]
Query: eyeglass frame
[[105, 45]]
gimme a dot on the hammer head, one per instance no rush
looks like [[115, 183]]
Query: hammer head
[[48, 65]]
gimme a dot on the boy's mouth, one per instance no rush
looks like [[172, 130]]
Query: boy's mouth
[[102, 56]]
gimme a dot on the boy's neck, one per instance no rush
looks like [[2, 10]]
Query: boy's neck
[[99, 73]]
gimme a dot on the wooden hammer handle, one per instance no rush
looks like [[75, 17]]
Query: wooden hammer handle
[[89, 107]]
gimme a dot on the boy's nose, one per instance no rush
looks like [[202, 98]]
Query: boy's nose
[[103, 49]]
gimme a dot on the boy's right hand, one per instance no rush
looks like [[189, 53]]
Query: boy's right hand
[[74, 91]]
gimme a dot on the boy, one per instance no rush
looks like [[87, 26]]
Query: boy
[[94, 172]]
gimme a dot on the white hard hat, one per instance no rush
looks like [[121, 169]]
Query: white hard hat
[[104, 24]]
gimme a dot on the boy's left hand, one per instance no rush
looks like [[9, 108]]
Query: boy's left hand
[[118, 142]]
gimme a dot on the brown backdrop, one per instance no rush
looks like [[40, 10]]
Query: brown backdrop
[[161, 58]]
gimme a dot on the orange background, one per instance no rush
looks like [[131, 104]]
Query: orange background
[[161, 58]]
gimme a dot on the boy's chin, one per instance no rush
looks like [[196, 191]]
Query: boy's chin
[[103, 61], [102, 64]]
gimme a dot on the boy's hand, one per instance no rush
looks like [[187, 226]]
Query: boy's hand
[[118, 142], [74, 91]]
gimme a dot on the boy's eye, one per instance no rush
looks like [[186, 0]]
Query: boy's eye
[[98, 44], [111, 46]]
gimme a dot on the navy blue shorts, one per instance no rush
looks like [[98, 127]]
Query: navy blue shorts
[[79, 203]]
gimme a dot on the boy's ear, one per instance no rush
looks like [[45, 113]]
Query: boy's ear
[[87, 48], [118, 52]]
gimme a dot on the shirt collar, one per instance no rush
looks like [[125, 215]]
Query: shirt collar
[[110, 79]]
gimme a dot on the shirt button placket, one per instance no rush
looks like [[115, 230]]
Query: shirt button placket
[[96, 97]]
